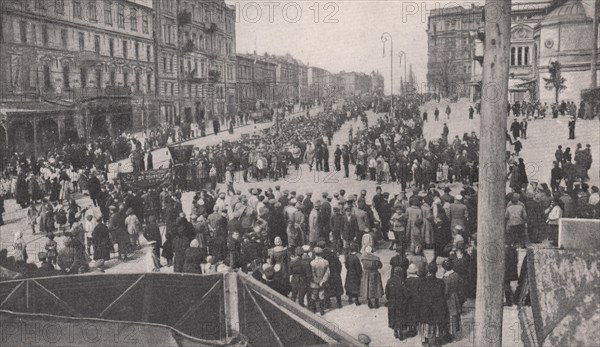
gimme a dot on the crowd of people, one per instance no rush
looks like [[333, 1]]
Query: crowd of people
[[295, 243]]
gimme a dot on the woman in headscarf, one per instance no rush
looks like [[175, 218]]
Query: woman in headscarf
[[371, 286], [193, 258], [102, 243], [433, 313], [397, 296], [19, 248]]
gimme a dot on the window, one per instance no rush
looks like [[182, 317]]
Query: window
[[520, 56], [137, 82], [77, 9], [83, 77], [136, 49], [81, 41], [23, 30], [133, 18], [125, 78], [172, 88], [47, 80], [59, 6], [145, 21], [171, 64], [512, 56], [111, 47], [45, 35], [164, 64], [148, 53], [33, 34], [40, 5], [66, 82], [92, 11], [108, 13], [97, 44], [121, 16], [125, 49], [64, 37], [526, 56], [149, 82], [112, 77]]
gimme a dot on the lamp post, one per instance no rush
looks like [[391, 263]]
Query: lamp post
[[400, 55], [384, 37]]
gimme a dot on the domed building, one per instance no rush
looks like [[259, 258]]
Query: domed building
[[565, 35]]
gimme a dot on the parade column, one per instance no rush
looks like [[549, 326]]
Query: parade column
[[492, 175]]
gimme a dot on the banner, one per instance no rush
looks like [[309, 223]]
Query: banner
[[181, 154], [146, 179]]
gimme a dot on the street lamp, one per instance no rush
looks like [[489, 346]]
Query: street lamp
[[400, 55], [384, 38]]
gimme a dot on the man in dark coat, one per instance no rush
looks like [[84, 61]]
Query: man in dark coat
[[353, 275], [433, 312], [397, 296], [101, 242], [324, 219], [350, 228], [334, 283], [346, 160], [300, 272], [94, 188], [337, 158], [413, 285], [234, 250]]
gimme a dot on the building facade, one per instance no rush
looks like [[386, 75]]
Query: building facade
[[90, 63], [541, 33], [255, 81], [196, 59], [450, 48], [354, 83]]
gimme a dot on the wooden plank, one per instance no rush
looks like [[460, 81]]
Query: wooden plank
[[230, 301], [58, 300], [124, 294], [262, 313], [12, 292], [197, 305], [319, 323]]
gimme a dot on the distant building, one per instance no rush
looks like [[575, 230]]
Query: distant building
[[73, 70], [255, 81], [450, 48], [354, 83], [547, 31]]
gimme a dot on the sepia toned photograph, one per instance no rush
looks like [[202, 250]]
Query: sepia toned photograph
[[299, 173]]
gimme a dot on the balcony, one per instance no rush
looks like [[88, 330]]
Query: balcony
[[184, 18], [89, 56], [75, 94]]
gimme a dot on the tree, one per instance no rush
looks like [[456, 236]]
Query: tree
[[555, 81]]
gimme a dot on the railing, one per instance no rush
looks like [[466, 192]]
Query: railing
[[69, 94]]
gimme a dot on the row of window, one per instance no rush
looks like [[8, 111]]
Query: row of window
[[29, 35], [519, 56], [206, 14], [98, 81], [92, 15]]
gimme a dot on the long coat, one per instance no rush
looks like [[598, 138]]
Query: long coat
[[371, 286], [349, 228], [413, 232], [454, 293], [427, 230], [334, 284], [458, 216], [353, 275], [193, 257], [397, 296], [433, 308], [101, 242], [413, 285], [313, 226]]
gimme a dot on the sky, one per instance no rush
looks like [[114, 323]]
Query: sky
[[343, 34]]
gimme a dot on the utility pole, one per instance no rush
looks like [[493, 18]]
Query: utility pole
[[492, 173], [594, 83], [384, 38]]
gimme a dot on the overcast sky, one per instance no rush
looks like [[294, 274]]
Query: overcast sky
[[344, 35]]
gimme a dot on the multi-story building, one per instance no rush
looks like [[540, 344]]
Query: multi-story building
[[318, 82], [75, 69], [354, 83], [450, 49], [543, 32], [196, 59], [303, 84], [255, 81], [286, 78]]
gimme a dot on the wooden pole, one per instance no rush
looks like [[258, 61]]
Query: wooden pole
[[594, 83], [492, 173]]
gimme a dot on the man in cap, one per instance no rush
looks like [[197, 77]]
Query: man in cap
[[314, 226], [516, 221], [301, 275], [320, 275]]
